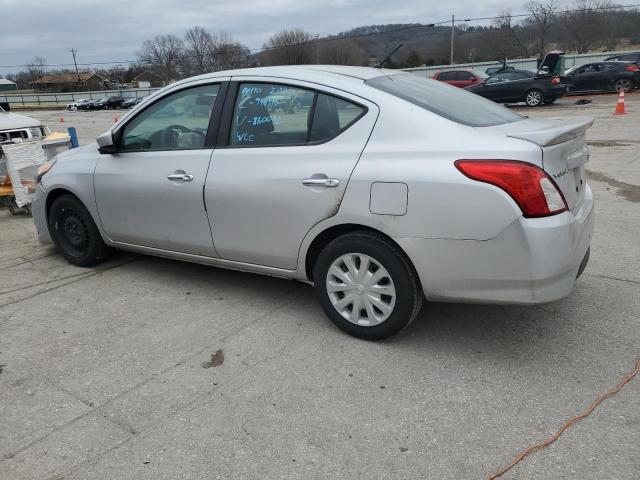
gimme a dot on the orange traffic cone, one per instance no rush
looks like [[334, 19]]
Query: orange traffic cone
[[61, 119], [620, 104]]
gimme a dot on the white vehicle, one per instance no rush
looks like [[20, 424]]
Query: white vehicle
[[386, 188], [15, 127], [75, 105]]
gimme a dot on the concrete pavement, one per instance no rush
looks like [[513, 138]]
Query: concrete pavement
[[103, 378]]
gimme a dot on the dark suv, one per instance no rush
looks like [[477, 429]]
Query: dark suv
[[113, 102]]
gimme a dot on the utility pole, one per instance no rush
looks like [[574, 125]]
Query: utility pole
[[453, 26], [73, 52]]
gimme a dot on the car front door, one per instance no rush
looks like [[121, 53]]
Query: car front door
[[290, 150], [150, 192], [584, 79], [496, 88]]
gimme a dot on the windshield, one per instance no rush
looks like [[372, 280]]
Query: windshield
[[449, 102]]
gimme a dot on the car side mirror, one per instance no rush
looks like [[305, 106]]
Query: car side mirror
[[106, 143]]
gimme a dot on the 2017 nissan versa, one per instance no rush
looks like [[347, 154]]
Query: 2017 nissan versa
[[381, 188]]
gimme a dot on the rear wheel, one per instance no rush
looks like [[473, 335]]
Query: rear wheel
[[534, 98], [623, 84], [366, 286], [75, 233]]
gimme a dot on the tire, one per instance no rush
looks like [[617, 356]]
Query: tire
[[623, 84], [534, 98], [75, 233], [385, 314]]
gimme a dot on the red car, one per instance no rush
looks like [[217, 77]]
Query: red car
[[461, 78]]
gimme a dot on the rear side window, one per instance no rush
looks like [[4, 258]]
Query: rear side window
[[281, 115], [453, 103], [332, 115]]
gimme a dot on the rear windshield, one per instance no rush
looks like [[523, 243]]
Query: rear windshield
[[449, 102]]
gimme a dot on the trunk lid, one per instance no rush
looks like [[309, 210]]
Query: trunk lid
[[564, 151]]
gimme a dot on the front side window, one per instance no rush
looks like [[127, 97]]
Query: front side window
[[455, 104], [498, 78], [282, 115], [178, 121], [447, 76]]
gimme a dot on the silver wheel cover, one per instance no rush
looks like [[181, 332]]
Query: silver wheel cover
[[361, 289], [534, 98]]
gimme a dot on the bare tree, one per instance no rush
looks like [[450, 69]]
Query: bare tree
[[164, 53], [289, 47], [226, 53], [610, 24], [198, 48], [509, 36], [35, 68], [345, 51], [541, 16], [583, 25]]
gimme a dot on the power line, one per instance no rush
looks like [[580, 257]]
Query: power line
[[333, 38]]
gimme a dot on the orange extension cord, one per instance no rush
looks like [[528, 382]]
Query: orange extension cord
[[567, 424]]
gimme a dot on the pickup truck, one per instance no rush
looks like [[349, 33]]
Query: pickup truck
[[14, 126]]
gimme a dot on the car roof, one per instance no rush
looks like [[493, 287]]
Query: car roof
[[361, 73]]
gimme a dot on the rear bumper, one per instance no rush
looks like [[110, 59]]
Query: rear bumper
[[534, 260]]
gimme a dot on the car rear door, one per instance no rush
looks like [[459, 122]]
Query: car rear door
[[150, 192], [281, 165]]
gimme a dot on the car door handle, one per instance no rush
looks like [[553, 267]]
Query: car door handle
[[321, 182], [185, 177]]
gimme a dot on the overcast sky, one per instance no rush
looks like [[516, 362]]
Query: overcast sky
[[113, 30]]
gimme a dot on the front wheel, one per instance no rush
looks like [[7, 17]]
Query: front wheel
[[623, 84], [366, 286], [75, 233], [533, 98]]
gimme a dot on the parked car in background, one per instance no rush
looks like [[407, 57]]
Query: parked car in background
[[521, 86], [93, 104], [131, 102], [113, 102], [380, 195], [461, 78], [75, 105], [625, 57], [498, 69], [605, 77], [16, 127]]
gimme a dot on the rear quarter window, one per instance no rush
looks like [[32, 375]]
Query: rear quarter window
[[449, 102]]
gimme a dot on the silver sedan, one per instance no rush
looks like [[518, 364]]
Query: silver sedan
[[379, 187]]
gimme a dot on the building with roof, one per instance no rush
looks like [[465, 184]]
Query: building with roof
[[71, 82], [7, 85]]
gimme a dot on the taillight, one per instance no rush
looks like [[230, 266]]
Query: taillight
[[632, 68], [531, 188], [555, 80]]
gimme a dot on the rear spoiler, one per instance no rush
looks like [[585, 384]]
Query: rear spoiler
[[561, 130]]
